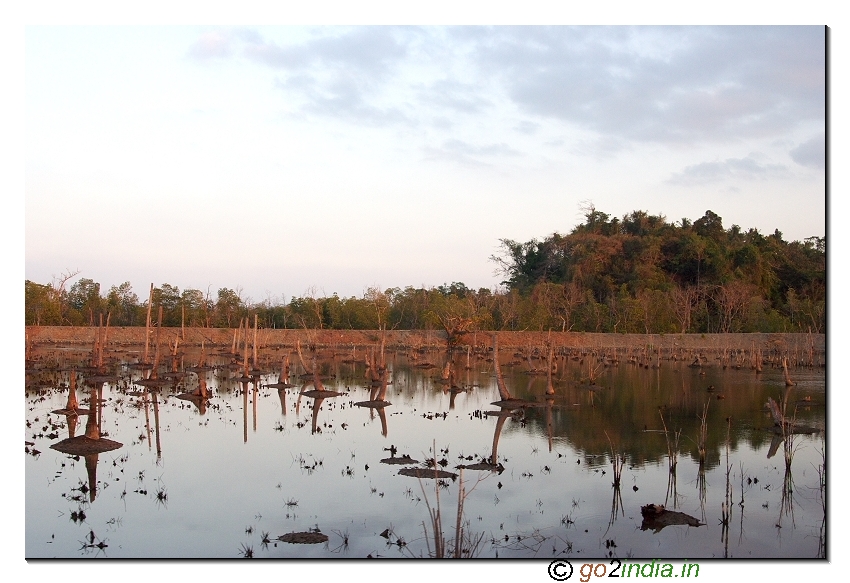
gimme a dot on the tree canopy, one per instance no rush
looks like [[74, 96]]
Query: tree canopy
[[639, 274]]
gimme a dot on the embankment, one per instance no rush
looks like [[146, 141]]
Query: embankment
[[46, 336]]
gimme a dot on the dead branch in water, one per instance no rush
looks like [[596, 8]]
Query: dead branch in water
[[307, 369], [504, 394], [788, 381]]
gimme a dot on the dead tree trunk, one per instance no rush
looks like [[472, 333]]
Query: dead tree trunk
[[148, 326], [307, 369], [155, 373], [788, 381], [504, 394], [550, 388]]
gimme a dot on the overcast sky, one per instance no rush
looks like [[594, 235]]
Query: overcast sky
[[291, 160]]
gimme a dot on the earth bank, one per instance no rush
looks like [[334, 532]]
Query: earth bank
[[43, 336]]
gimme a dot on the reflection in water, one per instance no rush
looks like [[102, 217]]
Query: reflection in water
[[283, 378], [281, 393], [656, 518], [550, 434], [701, 489], [672, 492], [155, 397], [527, 501], [616, 504], [244, 411], [503, 416], [377, 398], [317, 404], [91, 444], [255, 397], [383, 415], [147, 417], [200, 396], [786, 504], [71, 422], [726, 511], [672, 461], [72, 406]]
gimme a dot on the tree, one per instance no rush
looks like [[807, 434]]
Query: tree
[[168, 296], [456, 315], [84, 301], [710, 226], [123, 304], [41, 305], [380, 303], [683, 300], [193, 305], [732, 298], [638, 274], [227, 307]]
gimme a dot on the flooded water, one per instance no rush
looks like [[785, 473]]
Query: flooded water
[[254, 467]]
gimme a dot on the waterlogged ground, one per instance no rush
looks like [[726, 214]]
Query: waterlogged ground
[[230, 477]]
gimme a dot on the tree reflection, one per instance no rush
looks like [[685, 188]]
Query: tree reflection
[[91, 444]]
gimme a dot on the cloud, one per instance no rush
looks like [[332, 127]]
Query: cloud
[[352, 108], [488, 150], [469, 154], [341, 99], [339, 75], [455, 96], [367, 50], [527, 127], [604, 147], [664, 84], [735, 168], [811, 153], [672, 85]]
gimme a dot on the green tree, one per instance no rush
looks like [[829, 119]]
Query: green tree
[[42, 306], [194, 307], [228, 308], [124, 306], [84, 302]]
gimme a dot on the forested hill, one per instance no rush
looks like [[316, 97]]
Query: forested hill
[[643, 271], [638, 274]]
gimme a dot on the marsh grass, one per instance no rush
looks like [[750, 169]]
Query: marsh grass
[[726, 506], [672, 445], [618, 460], [703, 433], [465, 544]]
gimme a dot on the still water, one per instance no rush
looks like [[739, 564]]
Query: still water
[[237, 475]]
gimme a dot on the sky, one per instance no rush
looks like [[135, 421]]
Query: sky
[[296, 160]]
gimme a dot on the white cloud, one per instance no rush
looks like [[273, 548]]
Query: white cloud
[[732, 168], [670, 85], [811, 153]]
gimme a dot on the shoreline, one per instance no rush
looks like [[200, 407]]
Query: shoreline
[[50, 336]]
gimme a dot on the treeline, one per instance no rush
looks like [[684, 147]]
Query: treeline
[[638, 274]]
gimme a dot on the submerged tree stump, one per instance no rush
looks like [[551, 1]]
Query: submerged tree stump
[[304, 538], [656, 517]]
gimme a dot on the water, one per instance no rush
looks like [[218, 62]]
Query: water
[[256, 465]]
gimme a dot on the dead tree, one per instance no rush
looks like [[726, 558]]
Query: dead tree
[[504, 394]]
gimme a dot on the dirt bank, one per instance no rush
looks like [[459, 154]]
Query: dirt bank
[[43, 336]]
